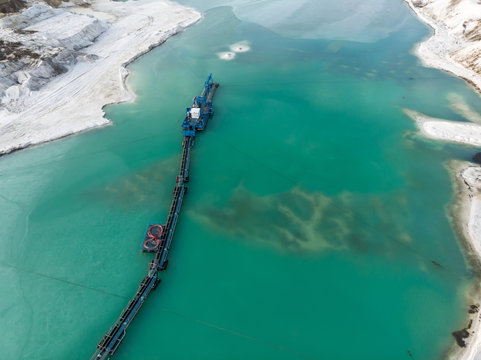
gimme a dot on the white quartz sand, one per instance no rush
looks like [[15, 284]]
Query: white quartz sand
[[455, 47], [73, 102], [440, 129], [466, 213], [466, 210]]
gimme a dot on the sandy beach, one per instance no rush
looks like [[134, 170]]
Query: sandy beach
[[466, 216], [455, 47], [441, 129], [73, 101]]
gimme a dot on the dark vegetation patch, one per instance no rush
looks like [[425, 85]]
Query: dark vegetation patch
[[11, 50], [477, 158], [24, 32], [11, 6], [460, 335]]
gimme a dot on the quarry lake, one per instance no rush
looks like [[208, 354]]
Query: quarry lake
[[316, 223]]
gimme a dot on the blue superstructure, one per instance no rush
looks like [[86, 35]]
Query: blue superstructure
[[197, 115], [158, 238]]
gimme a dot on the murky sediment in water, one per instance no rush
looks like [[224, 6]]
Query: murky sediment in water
[[301, 221]]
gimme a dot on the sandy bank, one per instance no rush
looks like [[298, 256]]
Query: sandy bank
[[466, 215], [440, 129], [465, 211], [73, 101], [455, 45], [468, 132]]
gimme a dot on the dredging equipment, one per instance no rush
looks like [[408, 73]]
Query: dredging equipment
[[158, 238]]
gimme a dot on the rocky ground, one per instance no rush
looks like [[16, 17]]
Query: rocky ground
[[39, 44], [59, 66], [456, 44]]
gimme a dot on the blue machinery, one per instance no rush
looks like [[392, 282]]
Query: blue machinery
[[158, 238], [196, 116]]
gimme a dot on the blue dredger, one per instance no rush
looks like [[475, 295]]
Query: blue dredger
[[158, 238], [196, 116]]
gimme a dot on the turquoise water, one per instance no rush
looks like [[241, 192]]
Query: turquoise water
[[312, 219]]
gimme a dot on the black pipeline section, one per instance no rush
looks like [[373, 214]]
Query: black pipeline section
[[111, 341]]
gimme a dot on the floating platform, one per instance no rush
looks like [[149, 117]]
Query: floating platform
[[158, 238], [152, 238]]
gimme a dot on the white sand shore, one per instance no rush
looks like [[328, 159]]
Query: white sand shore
[[73, 102], [455, 47], [466, 210], [466, 215], [440, 129]]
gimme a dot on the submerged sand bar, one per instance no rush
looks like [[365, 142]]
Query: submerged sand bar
[[73, 102]]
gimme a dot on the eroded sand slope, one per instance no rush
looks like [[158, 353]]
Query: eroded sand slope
[[65, 64]]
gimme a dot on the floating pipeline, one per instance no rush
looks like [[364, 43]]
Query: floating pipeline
[[158, 238]]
